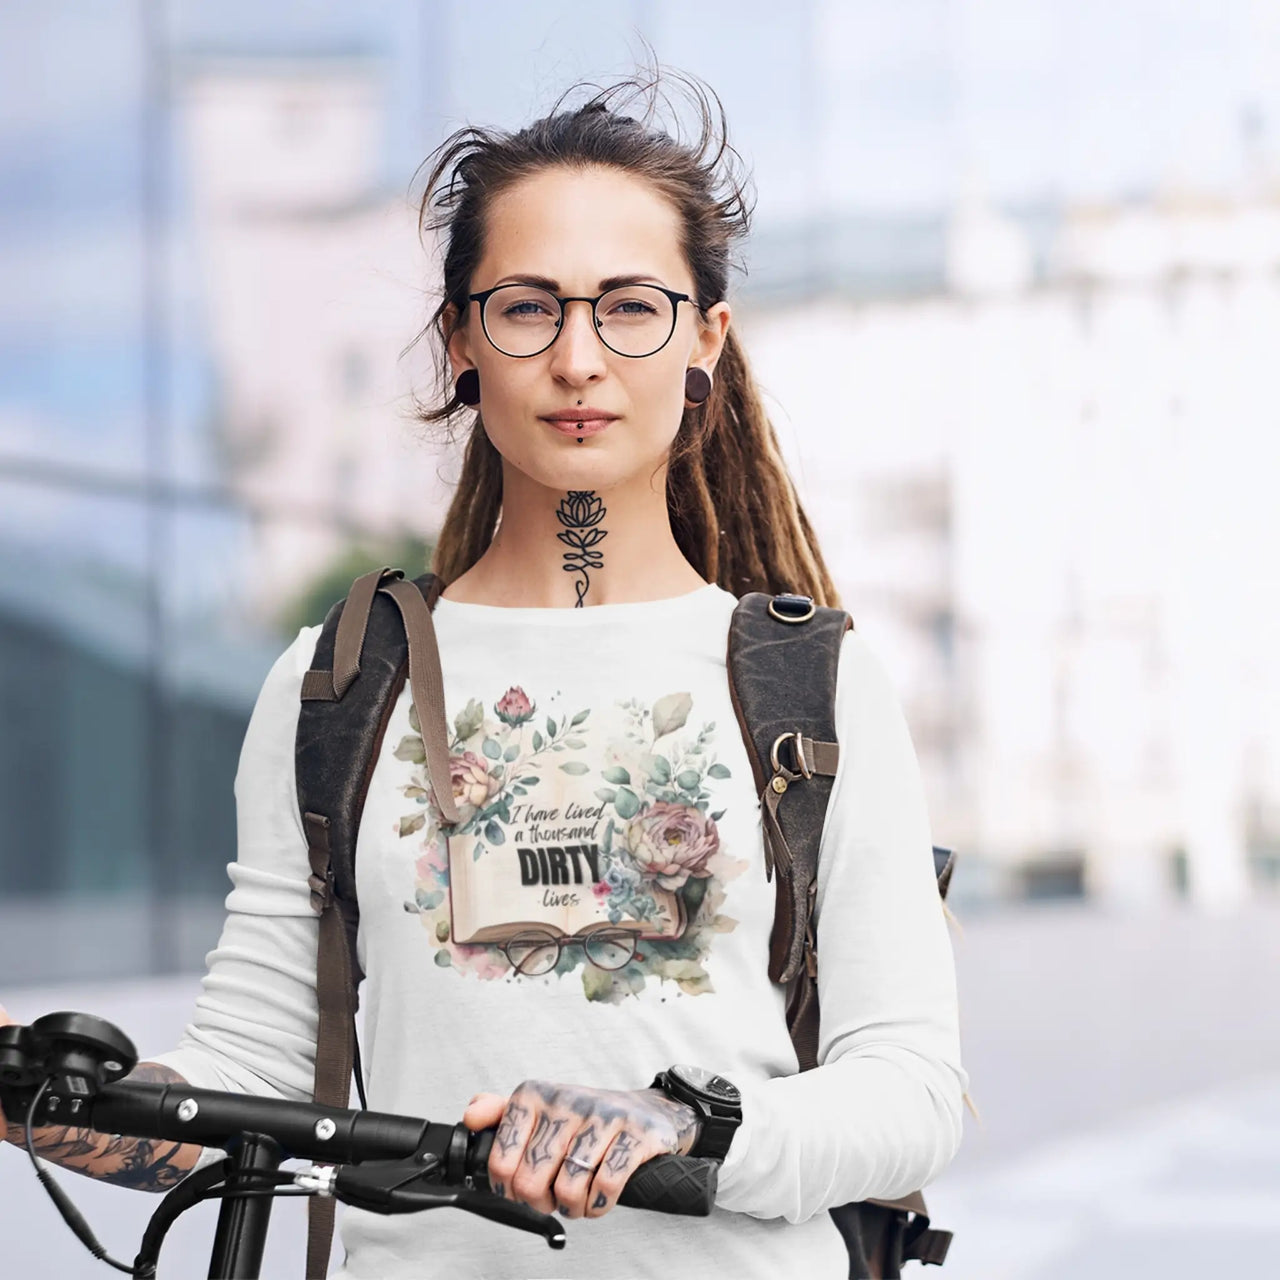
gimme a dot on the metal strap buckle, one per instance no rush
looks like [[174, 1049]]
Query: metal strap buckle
[[791, 608], [798, 749]]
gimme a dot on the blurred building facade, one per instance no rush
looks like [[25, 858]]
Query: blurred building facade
[[315, 285], [1039, 482], [1081, 568], [1034, 430]]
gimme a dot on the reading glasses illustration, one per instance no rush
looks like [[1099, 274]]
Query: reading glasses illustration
[[536, 951]]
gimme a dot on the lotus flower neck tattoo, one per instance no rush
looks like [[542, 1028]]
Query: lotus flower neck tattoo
[[580, 511]]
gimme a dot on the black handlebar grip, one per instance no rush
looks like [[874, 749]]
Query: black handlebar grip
[[665, 1184], [673, 1184]]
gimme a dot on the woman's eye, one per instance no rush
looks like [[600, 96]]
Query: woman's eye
[[632, 307], [524, 309]]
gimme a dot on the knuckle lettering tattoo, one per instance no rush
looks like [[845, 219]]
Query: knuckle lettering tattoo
[[620, 1153], [538, 1152], [581, 1150], [508, 1135], [600, 1201]]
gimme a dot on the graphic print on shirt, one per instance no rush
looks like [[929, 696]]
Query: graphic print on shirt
[[585, 842]]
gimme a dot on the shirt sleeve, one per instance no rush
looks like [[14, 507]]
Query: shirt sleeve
[[255, 1019], [880, 1116]]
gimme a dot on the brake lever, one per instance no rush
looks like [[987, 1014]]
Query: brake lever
[[484, 1204], [407, 1186]]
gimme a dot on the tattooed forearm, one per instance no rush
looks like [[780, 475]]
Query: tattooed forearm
[[581, 512], [142, 1163]]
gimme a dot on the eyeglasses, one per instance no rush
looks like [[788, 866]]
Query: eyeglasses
[[535, 951], [635, 320]]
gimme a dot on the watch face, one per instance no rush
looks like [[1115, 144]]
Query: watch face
[[707, 1082]]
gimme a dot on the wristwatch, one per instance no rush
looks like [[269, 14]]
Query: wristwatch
[[715, 1099]]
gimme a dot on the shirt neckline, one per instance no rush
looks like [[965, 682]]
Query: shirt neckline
[[567, 616]]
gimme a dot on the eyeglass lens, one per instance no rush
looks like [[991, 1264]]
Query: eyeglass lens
[[534, 952], [635, 320]]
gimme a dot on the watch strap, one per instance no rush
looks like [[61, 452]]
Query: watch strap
[[715, 1133]]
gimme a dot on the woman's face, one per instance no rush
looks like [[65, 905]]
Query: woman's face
[[580, 228]]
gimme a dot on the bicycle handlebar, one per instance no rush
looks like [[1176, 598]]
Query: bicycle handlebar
[[69, 1068], [334, 1135]]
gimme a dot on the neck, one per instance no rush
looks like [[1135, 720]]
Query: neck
[[577, 548]]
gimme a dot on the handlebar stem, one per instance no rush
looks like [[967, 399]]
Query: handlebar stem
[[242, 1223]]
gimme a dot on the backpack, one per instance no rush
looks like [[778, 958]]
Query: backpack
[[782, 660]]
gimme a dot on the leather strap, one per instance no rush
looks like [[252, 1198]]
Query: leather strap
[[426, 679], [335, 987], [335, 995], [348, 643], [920, 1241], [928, 1245], [811, 758], [426, 682]]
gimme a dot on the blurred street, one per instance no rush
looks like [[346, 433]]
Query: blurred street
[[1127, 1070]]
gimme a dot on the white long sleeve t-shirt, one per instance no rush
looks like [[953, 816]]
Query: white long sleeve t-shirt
[[602, 780]]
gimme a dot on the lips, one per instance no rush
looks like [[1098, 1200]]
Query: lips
[[579, 422], [578, 426], [580, 414]]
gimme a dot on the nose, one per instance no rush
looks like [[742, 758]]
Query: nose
[[577, 355]]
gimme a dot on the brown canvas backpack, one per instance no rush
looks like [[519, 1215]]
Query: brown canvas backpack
[[782, 659]]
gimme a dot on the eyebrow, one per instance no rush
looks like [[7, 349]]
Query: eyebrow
[[553, 286]]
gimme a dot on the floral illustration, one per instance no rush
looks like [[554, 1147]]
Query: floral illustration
[[514, 707], [672, 842], [655, 842]]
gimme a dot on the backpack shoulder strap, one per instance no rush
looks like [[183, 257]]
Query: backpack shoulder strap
[[783, 658], [783, 654], [371, 642]]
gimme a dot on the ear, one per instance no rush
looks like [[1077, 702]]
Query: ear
[[711, 335], [458, 342]]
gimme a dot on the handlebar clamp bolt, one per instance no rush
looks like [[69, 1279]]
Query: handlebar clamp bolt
[[325, 1129], [188, 1108], [113, 1067]]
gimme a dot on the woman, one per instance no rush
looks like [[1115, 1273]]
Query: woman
[[621, 486]]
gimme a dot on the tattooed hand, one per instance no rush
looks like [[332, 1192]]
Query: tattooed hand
[[570, 1149]]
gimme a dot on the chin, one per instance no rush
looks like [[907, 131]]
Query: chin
[[582, 473], [599, 463]]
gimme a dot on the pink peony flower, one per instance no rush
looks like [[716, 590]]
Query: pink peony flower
[[473, 785], [482, 960], [672, 842], [514, 707]]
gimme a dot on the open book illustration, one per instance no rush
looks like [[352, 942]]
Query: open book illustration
[[514, 888], [595, 826]]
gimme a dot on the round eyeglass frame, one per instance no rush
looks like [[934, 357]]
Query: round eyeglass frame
[[609, 932], [676, 299]]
